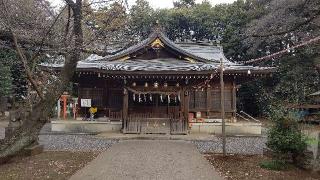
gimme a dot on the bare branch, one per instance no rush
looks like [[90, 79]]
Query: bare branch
[[71, 3], [25, 66], [21, 55], [68, 24], [280, 53], [45, 36], [295, 27]]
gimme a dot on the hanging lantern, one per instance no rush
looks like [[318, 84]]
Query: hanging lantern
[[249, 72], [165, 85], [146, 84], [156, 85], [150, 96], [134, 84], [177, 84]]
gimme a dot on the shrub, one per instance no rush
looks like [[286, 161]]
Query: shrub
[[286, 140]]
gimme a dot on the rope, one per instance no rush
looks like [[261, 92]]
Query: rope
[[280, 53], [153, 92]]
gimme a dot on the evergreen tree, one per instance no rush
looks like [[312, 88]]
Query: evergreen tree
[[5, 80]]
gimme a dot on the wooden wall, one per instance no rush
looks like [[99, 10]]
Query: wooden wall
[[108, 95], [207, 101]]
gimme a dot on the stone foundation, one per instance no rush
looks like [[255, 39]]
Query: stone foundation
[[72, 126], [231, 128]]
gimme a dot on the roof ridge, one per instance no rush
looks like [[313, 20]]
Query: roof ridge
[[157, 33]]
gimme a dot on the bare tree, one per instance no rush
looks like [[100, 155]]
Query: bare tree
[[66, 28], [285, 23]]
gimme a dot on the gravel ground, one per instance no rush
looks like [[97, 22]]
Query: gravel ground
[[80, 142], [59, 141], [149, 159], [74, 143], [235, 145]]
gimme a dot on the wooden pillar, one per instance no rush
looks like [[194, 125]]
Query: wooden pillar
[[105, 98], [222, 110], [58, 109], [186, 107], [234, 99], [181, 111], [208, 101], [125, 110]]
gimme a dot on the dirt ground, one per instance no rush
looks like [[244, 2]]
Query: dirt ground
[[47, 165], [239, 167]]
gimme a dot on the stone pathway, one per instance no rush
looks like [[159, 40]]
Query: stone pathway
[[149, 159]]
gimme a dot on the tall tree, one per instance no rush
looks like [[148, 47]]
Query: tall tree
[[184, 3], [282, 25], [107, 26], [141, 18]]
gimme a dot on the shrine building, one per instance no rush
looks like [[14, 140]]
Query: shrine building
[[159, 86]]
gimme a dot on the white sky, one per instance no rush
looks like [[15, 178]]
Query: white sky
[[155, 3]]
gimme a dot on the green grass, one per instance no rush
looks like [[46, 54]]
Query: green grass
[[275, 165]]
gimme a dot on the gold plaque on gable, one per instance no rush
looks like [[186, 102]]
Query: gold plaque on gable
[[157, 44]]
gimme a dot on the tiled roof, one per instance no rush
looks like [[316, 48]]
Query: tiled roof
[[207, 57]]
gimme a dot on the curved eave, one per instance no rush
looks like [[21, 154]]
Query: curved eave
[[234, 72]]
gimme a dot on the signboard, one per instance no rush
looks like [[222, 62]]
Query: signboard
[[198, 115], [85, 102]]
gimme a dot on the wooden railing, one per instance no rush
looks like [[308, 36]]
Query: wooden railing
[[155, 123], [178, 126], [133, 125], [115, 115], [153, 115]]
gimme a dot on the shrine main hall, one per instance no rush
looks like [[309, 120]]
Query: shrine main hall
[[161, 86]]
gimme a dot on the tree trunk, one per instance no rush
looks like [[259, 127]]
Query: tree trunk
[[28, 133]]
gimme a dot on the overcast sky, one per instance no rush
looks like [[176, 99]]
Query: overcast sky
[[157, 3]]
